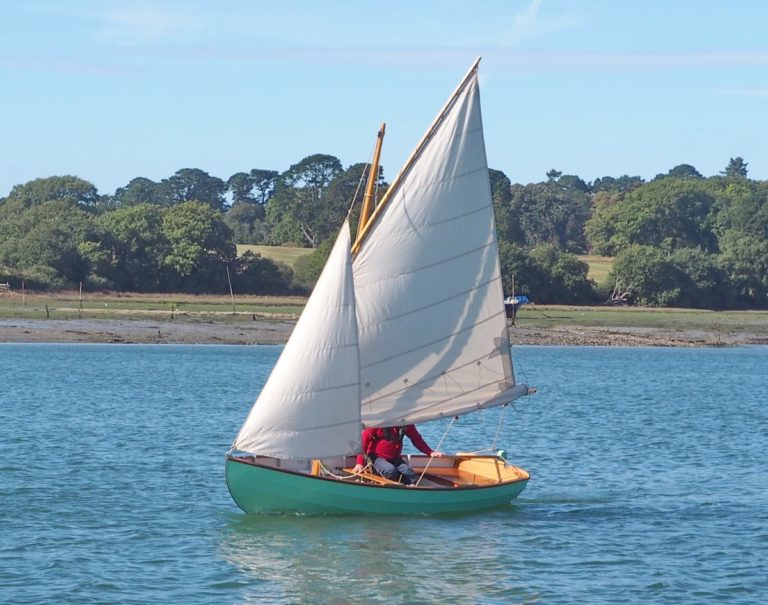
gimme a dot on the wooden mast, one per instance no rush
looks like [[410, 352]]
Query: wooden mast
[[361, 234], [373, 176]]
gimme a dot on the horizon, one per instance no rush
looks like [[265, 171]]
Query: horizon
[[111, 91]]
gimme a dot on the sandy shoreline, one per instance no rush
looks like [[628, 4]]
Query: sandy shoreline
[[277, 331]]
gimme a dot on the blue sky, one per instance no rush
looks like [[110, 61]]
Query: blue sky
[[110, 90]]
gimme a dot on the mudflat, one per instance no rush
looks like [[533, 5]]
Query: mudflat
[[252, 331], [72, 317]]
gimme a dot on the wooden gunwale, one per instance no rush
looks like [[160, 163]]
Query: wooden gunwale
[[381, 482]]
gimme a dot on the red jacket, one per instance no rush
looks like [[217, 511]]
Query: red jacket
[[375, 442]]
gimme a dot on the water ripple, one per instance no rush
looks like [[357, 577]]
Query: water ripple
[[647, 464]]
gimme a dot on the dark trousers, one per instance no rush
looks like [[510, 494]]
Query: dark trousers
[[395, 470]]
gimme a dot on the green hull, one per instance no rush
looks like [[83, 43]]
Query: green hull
[[260, 489]]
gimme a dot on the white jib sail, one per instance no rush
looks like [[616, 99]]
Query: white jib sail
[[432, 328], [310, 406]]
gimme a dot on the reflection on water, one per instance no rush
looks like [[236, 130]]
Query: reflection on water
[[300, 559]]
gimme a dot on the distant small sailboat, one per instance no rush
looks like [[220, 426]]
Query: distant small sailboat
[[513, 303], [405, 326]]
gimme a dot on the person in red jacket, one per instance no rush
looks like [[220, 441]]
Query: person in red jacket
[[383, 447]]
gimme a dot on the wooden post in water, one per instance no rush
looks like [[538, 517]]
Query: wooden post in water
[[514, 308], [80, 303], [229, 281]]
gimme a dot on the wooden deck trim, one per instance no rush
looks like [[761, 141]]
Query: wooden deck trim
[[371, 477]]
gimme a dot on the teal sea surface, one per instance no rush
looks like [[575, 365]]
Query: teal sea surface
[[648, 486]]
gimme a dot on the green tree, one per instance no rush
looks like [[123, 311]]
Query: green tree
[[46, 248], [339, 197], [255, 187], [620, 185], [68, 188], [264, 183], [507, 220], [565, 277], [141, 191], [681, 171], [519, 272], [745, 260], [190, 184], [552, 213], [646, 276], [307, 268], [736, 168], [254, 274], [669, 213], [298, 212], [703, 283], [742, 207], [199, 247], [600, 229], [137, 247], [246, 221]]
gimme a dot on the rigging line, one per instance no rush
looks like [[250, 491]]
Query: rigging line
[[482, 366], [360, 182], [519, 367], [328, 473], [437, 449], [376, 191], [498, 428], [446, 375]]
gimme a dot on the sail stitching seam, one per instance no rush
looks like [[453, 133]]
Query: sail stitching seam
[[412, 188], [428, 344], [431, 305], [444, 401]]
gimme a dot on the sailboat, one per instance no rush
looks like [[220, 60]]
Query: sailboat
[[405, 325]]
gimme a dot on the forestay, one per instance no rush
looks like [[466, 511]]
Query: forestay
[[310, 406], [431, 322]]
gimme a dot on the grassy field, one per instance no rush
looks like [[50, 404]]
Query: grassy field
[[282, 254], [68, 305], [672, 320], [599, 266]]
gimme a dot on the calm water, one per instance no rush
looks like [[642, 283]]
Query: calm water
[[649, 486]]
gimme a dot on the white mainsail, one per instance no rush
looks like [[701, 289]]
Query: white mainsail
[[431, 322], [310, 406], [414, 328]]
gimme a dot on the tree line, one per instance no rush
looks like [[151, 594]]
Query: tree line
[[679, 239]]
